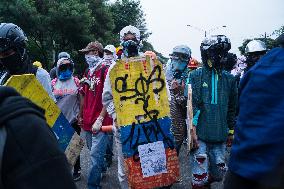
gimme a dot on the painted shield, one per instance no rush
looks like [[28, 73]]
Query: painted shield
[[143, 117], [28, 86]]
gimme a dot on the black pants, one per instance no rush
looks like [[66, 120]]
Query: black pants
[[233, 181]]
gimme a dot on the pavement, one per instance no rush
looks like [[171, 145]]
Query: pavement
[[110, 181]]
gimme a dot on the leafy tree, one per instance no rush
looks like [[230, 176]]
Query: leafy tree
[[128, 12]]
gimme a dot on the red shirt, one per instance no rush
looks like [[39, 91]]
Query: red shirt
[[92, 91]]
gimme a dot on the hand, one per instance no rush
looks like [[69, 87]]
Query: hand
[[175, 85], [194, 138], [98, 124], [230, 140]]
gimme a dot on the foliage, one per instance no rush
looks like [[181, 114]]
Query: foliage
[[69, 25]]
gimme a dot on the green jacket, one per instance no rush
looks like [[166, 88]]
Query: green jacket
[[215, 96]]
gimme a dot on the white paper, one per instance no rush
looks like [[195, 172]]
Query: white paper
[[153, 158]]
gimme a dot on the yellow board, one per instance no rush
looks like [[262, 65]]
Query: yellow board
[[28, 86], [136, 81]]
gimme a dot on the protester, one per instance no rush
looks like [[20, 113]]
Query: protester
[[130, 38], [109, 55], [109, 59], [92, 112], [214, 94], [14, 56], [257, 155], [179, 68], [254, 50], [30, 155], [65, 89], [52, 72]]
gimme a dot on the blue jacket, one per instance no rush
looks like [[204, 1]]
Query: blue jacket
[[258, 149]]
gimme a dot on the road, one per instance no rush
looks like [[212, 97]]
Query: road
[[110, 181]]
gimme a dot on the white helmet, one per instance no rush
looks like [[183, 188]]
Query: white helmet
[[111, 49], [255, 46], [129, 29]]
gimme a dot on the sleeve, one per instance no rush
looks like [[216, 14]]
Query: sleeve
[[107, 97], [231, 115], [44, 78]]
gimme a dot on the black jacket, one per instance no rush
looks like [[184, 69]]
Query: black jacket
[[31, 158]]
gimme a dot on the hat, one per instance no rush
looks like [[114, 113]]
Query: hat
[[93, 46]]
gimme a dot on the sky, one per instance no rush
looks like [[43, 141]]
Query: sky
[[168, 20]]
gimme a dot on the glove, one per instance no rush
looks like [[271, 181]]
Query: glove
[[98, 124]]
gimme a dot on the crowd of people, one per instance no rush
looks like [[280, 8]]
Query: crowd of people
[[237, 105]]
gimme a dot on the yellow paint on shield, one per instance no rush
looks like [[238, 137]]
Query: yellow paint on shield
[[139, 90], [28, 86]]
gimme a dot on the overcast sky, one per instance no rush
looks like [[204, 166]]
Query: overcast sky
[[168, 20]]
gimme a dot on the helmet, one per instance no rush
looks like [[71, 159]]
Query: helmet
[[129, 30], [13, 47], [11, 37], [181, 52], [111, 49], [63, 55], [37, 64], [216, 42], [255, 46], [214, 49], [193, 64]]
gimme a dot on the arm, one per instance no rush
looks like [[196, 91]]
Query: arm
[[107, 98]]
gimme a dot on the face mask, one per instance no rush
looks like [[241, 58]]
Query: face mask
[[12, 63], [64, 75], [130, 48], [93, 61], [108, 57], [178, 65]]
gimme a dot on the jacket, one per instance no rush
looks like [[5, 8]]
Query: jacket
[[31, 156], [258, 148], [214, 94]]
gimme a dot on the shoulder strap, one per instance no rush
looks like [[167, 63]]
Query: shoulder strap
[[3, 136]]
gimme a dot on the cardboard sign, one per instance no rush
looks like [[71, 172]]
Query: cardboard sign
[[28, 86], [143, 117]]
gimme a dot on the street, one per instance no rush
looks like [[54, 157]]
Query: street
[[110, 181]]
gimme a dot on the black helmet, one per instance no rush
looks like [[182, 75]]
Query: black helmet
[[12, 47], [215, 48], [11, 37]]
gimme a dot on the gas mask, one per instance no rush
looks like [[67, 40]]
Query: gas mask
[[130, 48]]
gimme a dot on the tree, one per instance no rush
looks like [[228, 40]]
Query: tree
[[128, 12]]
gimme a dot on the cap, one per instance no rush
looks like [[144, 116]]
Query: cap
[[93, 46]]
